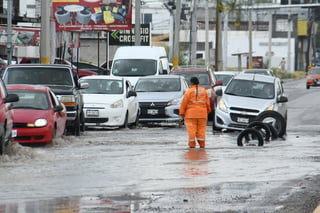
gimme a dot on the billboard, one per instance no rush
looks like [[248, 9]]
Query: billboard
[[127, 37], [92, 15]]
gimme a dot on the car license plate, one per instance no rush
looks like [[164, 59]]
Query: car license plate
[[243, 120], [152, 111], [14, 133], [94, 113]]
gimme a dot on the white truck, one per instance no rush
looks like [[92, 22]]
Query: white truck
[[134, 62]]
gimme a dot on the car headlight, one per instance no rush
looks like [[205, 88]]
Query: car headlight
[[222, 106], [117, 104], [310, 78], [41, 122], [174, 102], [271, 107], [68, 100], [209, 91]]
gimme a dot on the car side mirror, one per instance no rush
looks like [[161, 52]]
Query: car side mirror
[[11, 98], [219, 92], [132, 93], [58, 108], [282, 99], [83, 85]]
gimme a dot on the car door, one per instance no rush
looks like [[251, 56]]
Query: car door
[[132, 102], [282, 107], [59, 116]]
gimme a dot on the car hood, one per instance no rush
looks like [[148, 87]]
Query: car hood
[[158, 96], [247, 102], [101, 98], [28, 115], [61, 90]]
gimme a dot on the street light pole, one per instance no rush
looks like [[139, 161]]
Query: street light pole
[[137, 23], [9, 32], [45, 35], [289, 38]]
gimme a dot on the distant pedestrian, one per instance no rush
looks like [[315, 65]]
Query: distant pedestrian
[[195, 108], [283, 65]]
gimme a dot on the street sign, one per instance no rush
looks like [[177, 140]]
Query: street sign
[[127, 37]]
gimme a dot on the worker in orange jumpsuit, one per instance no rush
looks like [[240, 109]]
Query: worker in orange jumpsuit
[[195, 107]]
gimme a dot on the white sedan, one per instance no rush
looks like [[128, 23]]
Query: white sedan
[[109, 102]]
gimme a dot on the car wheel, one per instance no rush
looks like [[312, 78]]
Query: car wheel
[[77, 127], [262, 127], [214, 127], [274, 118], [250, 136], [2, 145], [82, 123], [125, 123], [135, 124], [308, 87]]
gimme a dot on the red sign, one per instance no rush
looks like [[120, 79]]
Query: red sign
[[92, 15]]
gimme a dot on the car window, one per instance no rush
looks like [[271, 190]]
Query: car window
[[3, 91], [39, 75], [30, 99], [246, 88], [204, 78], [158, 85], [134, 67], [224, 78], [314, 71], [103, 86]]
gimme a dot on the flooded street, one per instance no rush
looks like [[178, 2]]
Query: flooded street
[[151, 169]]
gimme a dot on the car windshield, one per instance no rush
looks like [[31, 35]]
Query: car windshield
[[158, 85], [134, 67], [202, 76], [254, 89], [39, 75], [314, 71], [31, 99], [224, 78], [103, 86]]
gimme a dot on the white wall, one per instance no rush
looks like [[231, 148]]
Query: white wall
[[238, 42]]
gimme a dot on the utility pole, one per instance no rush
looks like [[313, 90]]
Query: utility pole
[[45, 35], [250, 37], [218, 47], [289, 38], [207, 56], [175, 58], [137, 27], [193, 37], [9, 32]]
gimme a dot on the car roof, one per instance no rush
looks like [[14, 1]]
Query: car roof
[[101, 77], [27, 87], [255, 77], [39, 65], [226, 72], [191, 68], [162, 76]]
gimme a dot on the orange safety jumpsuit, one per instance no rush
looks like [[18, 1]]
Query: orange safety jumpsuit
[[195, 107]]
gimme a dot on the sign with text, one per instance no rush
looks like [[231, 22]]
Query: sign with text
[[127, 37], [92, 15]]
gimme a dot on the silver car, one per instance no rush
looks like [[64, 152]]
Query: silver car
[[245, 97], [160, 98]]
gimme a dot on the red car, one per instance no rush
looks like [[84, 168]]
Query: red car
[[81, 72], [206, 79], [39, 116], [313, 77]]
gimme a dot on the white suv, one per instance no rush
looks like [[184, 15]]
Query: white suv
[[246, 97]]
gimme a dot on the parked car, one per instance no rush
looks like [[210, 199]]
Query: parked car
[[313, 77], [39, 116], [80, 72], [224, 77], [109, 102], [63, 82], [245, 97], [206, 78], [259, 71], [6, 116], [91, 67], [160, 98]]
